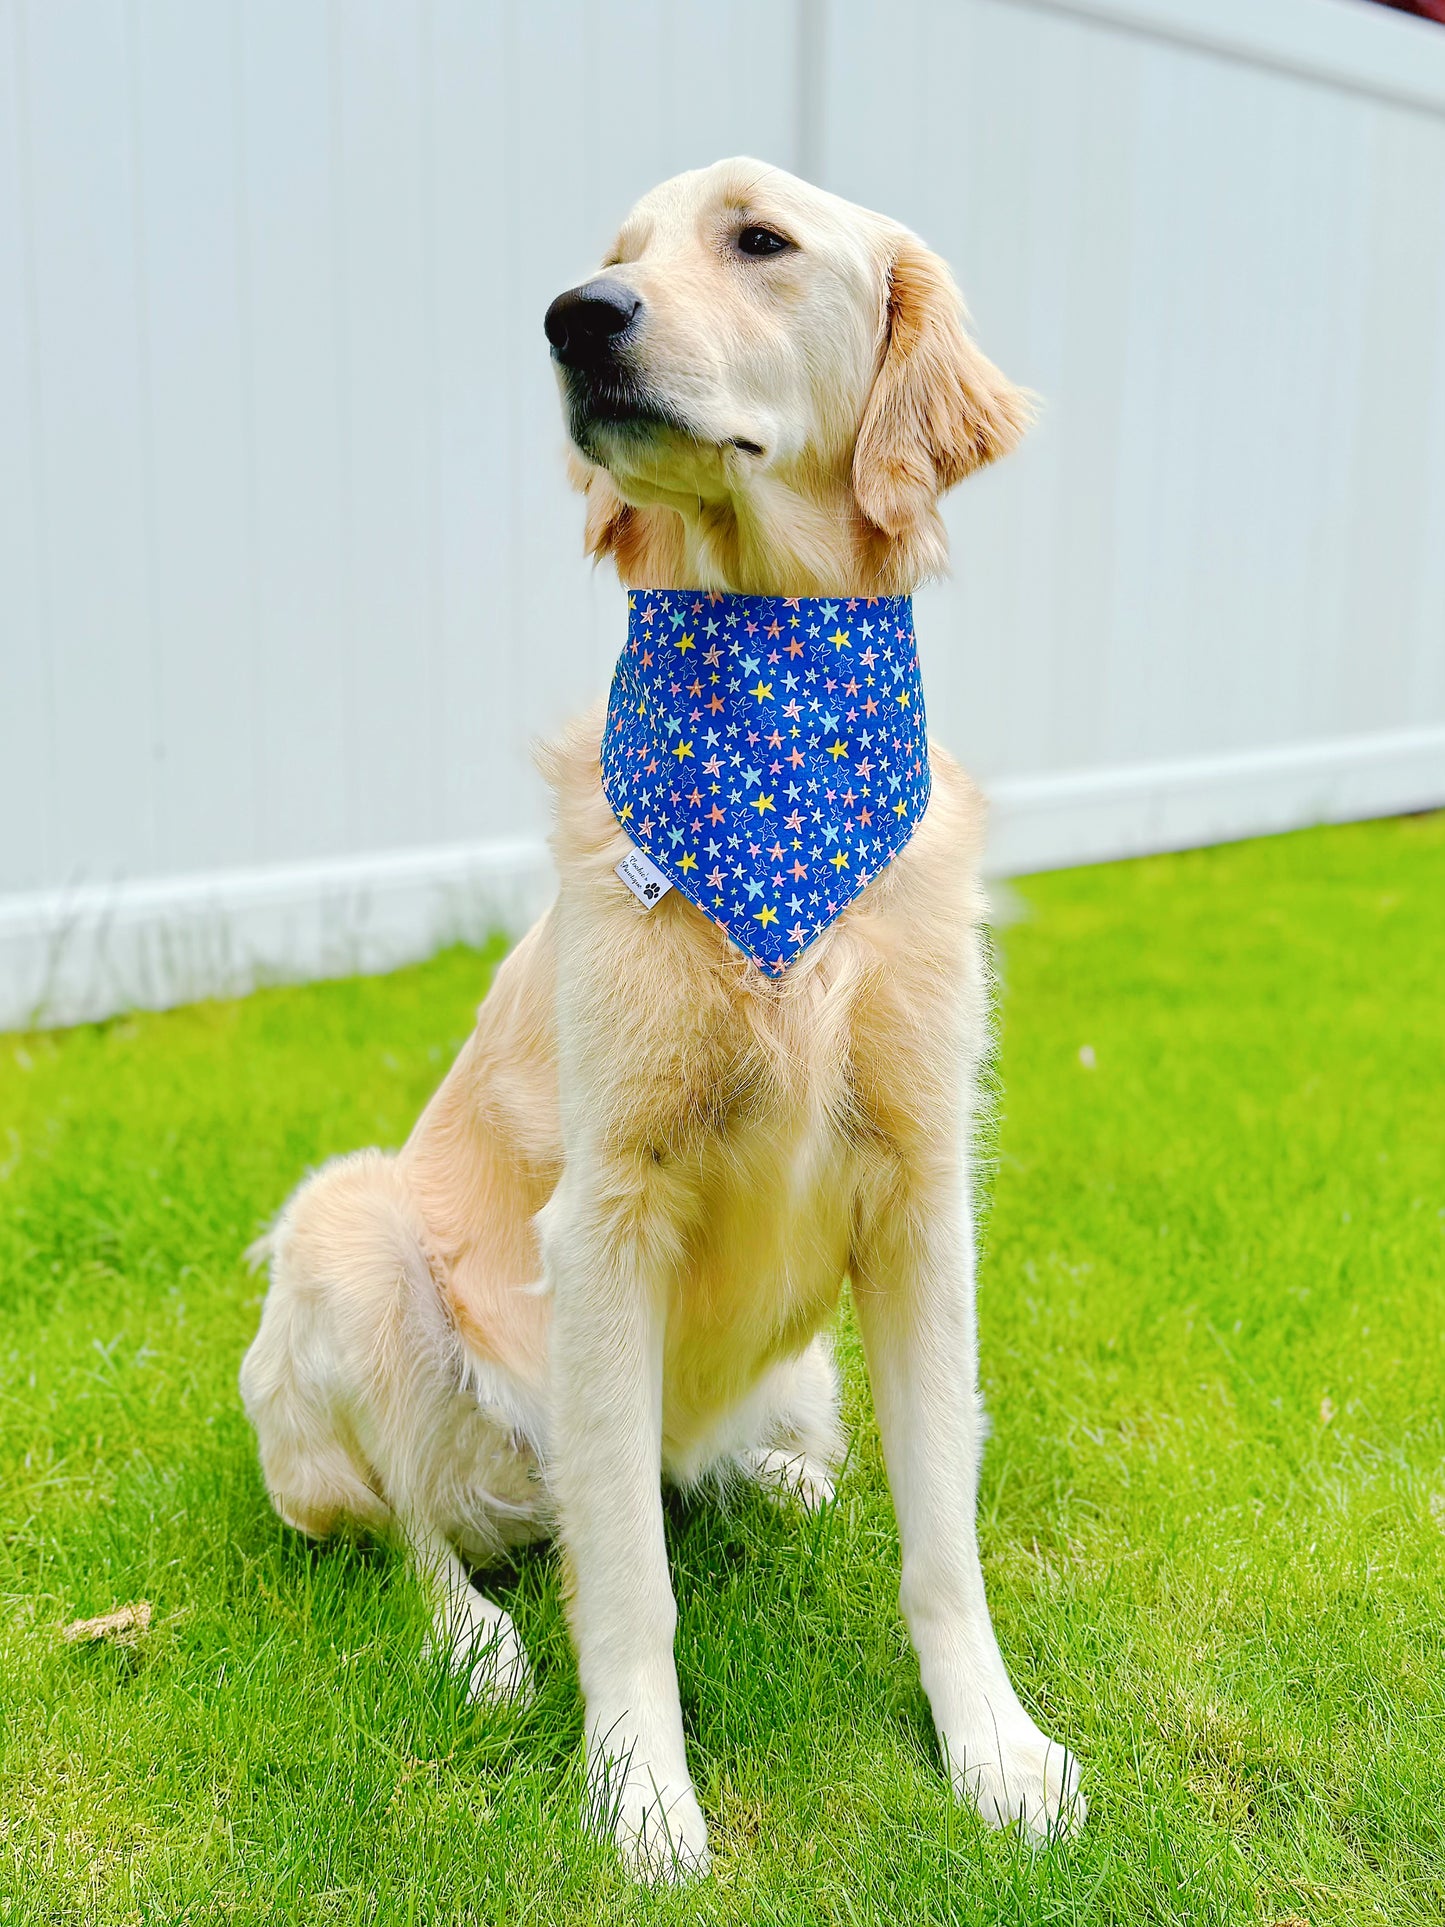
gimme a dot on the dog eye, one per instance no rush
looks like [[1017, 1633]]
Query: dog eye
[[761, 240]]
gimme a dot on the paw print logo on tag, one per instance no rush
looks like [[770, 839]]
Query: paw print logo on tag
[[643, 878]]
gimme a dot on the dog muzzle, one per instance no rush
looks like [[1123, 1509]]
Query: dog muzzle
[[767, 754]]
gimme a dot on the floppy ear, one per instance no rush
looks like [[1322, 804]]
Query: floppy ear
[[938, 409], [645, 543]]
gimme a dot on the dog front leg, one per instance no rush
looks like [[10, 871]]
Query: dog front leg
[[609, 1270], [914, 1293]]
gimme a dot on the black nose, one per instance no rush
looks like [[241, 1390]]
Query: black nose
[[584, 324]]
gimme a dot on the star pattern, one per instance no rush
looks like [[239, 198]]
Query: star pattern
[[769, 754]]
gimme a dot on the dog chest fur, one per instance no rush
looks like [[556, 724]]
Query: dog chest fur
[[747, 1124]]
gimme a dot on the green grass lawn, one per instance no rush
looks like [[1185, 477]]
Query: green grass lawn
[[1213, 1509]]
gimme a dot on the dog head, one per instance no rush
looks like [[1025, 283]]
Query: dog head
[[769, 389]]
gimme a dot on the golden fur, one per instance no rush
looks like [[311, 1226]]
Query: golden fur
[[614, 1239]]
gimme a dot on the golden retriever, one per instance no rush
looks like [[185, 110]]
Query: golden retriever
[[609, 1251]]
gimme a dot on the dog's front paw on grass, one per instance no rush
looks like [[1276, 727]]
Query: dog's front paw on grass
[[1017, 1776], [657, 1826]]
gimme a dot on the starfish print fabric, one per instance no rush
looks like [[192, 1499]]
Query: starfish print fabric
[[768, 753]]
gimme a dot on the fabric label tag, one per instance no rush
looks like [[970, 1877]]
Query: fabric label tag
[[643, 878]]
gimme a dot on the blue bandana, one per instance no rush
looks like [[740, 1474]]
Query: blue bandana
[[769, 755]]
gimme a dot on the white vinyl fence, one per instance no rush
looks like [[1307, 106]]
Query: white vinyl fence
[[289, 573]]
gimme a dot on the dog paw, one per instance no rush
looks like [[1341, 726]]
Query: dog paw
[[657, 1825], [792, 1479], [1016, 1776], [488, 1656]]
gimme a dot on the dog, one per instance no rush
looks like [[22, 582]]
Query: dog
[[610, 1249]]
